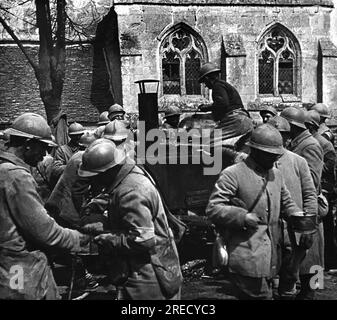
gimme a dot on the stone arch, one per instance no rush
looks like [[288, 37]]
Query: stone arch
[[278, 62], [181, 51]]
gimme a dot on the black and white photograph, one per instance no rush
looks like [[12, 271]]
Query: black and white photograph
[[168, 150]]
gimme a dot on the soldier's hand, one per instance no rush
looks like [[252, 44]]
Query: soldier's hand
[[251, 220], [84, 239], [306, 241], [108, 240]]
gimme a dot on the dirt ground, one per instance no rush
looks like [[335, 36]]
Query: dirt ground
[[199, 284], [196, 287], [212, 289]]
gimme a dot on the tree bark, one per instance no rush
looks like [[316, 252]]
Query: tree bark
[[51, 58]]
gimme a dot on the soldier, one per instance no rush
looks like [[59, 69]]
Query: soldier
[[253, 228], [139, 229], [323, 129], [227, 107], [172, 117], [25, 224], [305, 145], [61, 206], [65, 152], [116, 111], [298, 180], [329, 153], [267, 113], [102, 122], [327, 184], [117, 132], [60, 202]]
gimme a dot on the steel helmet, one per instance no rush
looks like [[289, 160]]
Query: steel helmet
[[269, 109], [99, 157], [116, 131], [172, 111], [295, 116], [86, 139], [280, 123], [32, 126], [313, 118], [322, 109], [103, 118], [206, 69], [266, 138], [100, 140], [75, 129], [115, 109]]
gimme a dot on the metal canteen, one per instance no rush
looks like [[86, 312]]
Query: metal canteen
[[220, 254]]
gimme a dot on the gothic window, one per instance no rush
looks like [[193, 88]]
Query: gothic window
[[182, 55], [278, 61], [171, 73]]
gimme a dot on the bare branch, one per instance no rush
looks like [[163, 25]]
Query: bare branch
[[14, 15], [24, 2], [19, 4], [34, 25], [18, 42], [74, 27]]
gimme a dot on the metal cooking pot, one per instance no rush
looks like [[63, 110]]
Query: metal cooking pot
[[303, 222]]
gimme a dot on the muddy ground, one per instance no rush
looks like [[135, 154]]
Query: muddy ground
[[198, 285], [212, 289], [195, 253], [199, 282]]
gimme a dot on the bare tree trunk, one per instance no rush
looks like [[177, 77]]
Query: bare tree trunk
[[51, 58]]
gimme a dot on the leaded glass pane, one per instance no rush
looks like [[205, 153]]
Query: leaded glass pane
[[286, 75], [171, 77], [266, 73], [182, 54], [192, 67], [285, 83], [277, 64]]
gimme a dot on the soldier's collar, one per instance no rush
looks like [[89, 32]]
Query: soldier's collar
[[126, 168], [12, 158], [302, 136]]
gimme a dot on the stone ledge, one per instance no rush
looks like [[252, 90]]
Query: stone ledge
[[279, 105], [328, 49], [290, 3], [185, 103]]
